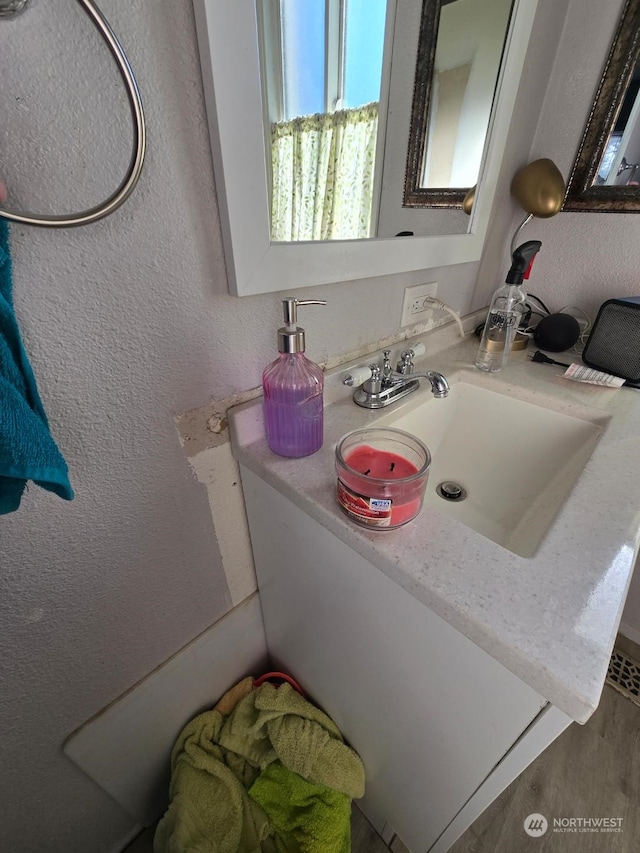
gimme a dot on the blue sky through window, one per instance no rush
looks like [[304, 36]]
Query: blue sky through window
[[303, 28], [304, 51], [365, 21]]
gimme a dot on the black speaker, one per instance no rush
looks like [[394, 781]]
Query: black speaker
[[614, 343]]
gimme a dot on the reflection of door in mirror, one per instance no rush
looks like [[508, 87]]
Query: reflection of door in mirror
[[620, 164], [322, 66], [467, 61]]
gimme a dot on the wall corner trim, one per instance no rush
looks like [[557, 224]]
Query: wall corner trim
[[126, 747]]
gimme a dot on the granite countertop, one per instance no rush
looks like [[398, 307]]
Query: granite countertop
[[552, 618]]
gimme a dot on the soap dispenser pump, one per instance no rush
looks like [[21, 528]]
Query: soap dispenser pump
[[293, 390]]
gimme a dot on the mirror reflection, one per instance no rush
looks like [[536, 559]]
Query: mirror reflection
[[467, 61], [606, 173], [326, 67], [620, 162], [322, 69]]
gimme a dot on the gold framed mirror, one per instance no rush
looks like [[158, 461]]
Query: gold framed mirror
[[606, 174], [460, 49]]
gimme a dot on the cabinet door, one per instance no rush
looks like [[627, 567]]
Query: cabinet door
[[430, 713]]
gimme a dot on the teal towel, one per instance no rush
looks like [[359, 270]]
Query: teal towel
[[27, 450]]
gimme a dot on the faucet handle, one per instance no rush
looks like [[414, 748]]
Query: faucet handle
[[373, 385], [357, 376], [405, 365]]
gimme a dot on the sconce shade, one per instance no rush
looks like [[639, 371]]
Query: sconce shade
[[539, 188]]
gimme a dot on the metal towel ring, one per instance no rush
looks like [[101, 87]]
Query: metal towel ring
[[140, 140]]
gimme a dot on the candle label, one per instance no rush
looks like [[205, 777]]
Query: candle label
[[373, 512]]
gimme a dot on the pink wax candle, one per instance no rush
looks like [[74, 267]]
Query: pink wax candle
[[382, 475]]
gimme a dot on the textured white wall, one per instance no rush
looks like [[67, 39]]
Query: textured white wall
[[586, 257], [118, 322], [128, 322]]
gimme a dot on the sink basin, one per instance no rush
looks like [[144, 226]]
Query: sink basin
[[517, 461]]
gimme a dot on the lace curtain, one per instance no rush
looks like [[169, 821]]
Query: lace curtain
[[323, 175]]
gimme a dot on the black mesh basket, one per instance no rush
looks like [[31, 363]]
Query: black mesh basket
[[614, 343]]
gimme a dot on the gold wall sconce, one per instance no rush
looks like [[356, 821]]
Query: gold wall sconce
[[538, 188]]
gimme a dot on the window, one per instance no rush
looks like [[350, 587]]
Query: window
[[322, 55], [322, 70]]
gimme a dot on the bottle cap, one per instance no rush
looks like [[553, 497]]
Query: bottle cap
[[291, 339], [521, 261]]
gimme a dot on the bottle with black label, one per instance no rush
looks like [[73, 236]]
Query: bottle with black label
[[507, 307]]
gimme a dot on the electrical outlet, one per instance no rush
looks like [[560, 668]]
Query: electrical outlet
[[414, 308]]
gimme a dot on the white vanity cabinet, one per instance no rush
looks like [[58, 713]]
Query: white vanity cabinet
[[441, 726]]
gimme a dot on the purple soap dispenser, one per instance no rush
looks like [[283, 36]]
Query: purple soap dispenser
[[292, 386]]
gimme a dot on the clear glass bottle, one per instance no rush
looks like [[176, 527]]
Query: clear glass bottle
[[507, 307], [293, 391]]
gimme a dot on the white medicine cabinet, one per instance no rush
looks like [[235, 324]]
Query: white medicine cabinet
[[229, 44]]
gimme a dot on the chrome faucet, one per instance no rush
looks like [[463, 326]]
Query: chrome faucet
[[385, 385]]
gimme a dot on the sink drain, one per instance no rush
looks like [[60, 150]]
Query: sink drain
[[451, 491]]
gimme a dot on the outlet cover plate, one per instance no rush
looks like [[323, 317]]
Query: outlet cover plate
[[413, 309]]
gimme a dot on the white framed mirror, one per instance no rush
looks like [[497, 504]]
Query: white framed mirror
[[228, 39]]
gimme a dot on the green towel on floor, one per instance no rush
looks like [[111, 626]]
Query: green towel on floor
[[210, 810], [217, 760], [308, 818], [278, 723]]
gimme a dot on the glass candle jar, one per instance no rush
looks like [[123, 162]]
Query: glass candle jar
[[382, 476]]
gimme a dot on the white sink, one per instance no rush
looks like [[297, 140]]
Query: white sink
[[516, 460]]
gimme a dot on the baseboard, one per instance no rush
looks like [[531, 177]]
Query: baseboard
[[126, 747]]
